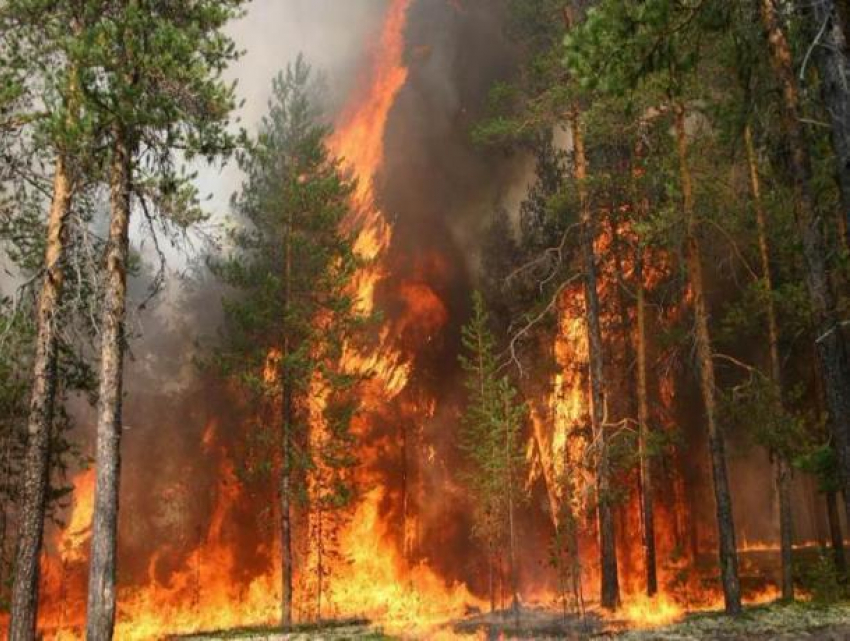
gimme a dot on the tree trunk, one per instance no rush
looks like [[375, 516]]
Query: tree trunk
[[511, 524], [320, 564], [288, 415], [646, 482], [835, 536], [834, 67], [610, 589], [286, 534], [640, 206], [843, 7], [513, 557], [728, 553], [102, 592], [830, 342], [24, 610], [491, 579], [780, 460]]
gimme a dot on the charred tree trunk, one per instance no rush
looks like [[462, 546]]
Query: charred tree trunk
[[24, 609], [836, 537], [781, 463], [288, 416], [830, 342], [827, 29], [102, 593], [610, 589], [728, 553]]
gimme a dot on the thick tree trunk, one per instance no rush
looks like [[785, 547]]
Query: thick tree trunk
[[836, 538], [834, 66], [610, 589], [102, 592], [24, 608], [830, 342], [781, 463], [728, 553], [288, 415]]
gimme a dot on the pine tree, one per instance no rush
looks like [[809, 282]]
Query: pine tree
[[41, 58], [828, 30], [491, 437], [548, 98], [286, 330], [830, 342], [659, 56], [161, 101]]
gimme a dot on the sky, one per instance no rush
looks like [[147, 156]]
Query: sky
[[330, 33]]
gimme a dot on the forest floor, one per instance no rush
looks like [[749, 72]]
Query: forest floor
[[771, 622], [774, 622]]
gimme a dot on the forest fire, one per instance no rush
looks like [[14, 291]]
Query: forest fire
[[373, 579], [406, 416]]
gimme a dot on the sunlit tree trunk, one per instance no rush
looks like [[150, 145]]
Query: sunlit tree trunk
[[101, 592], [728, 553], [24, 610], [830, 342], [781, 463], [610, 589]]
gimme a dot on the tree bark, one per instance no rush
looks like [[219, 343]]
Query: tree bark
[[780, 459], [835, 536], [830, 343], [610, 589], [288, 415], [843, 7], [646, 481], [728, 553], [834, 67], [511, 524], [647, 487], [24, 610], [102, 591]]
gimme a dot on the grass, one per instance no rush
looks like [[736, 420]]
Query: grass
[[335, 631], [757, 622]]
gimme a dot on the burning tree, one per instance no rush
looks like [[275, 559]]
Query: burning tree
[[293, 316]]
